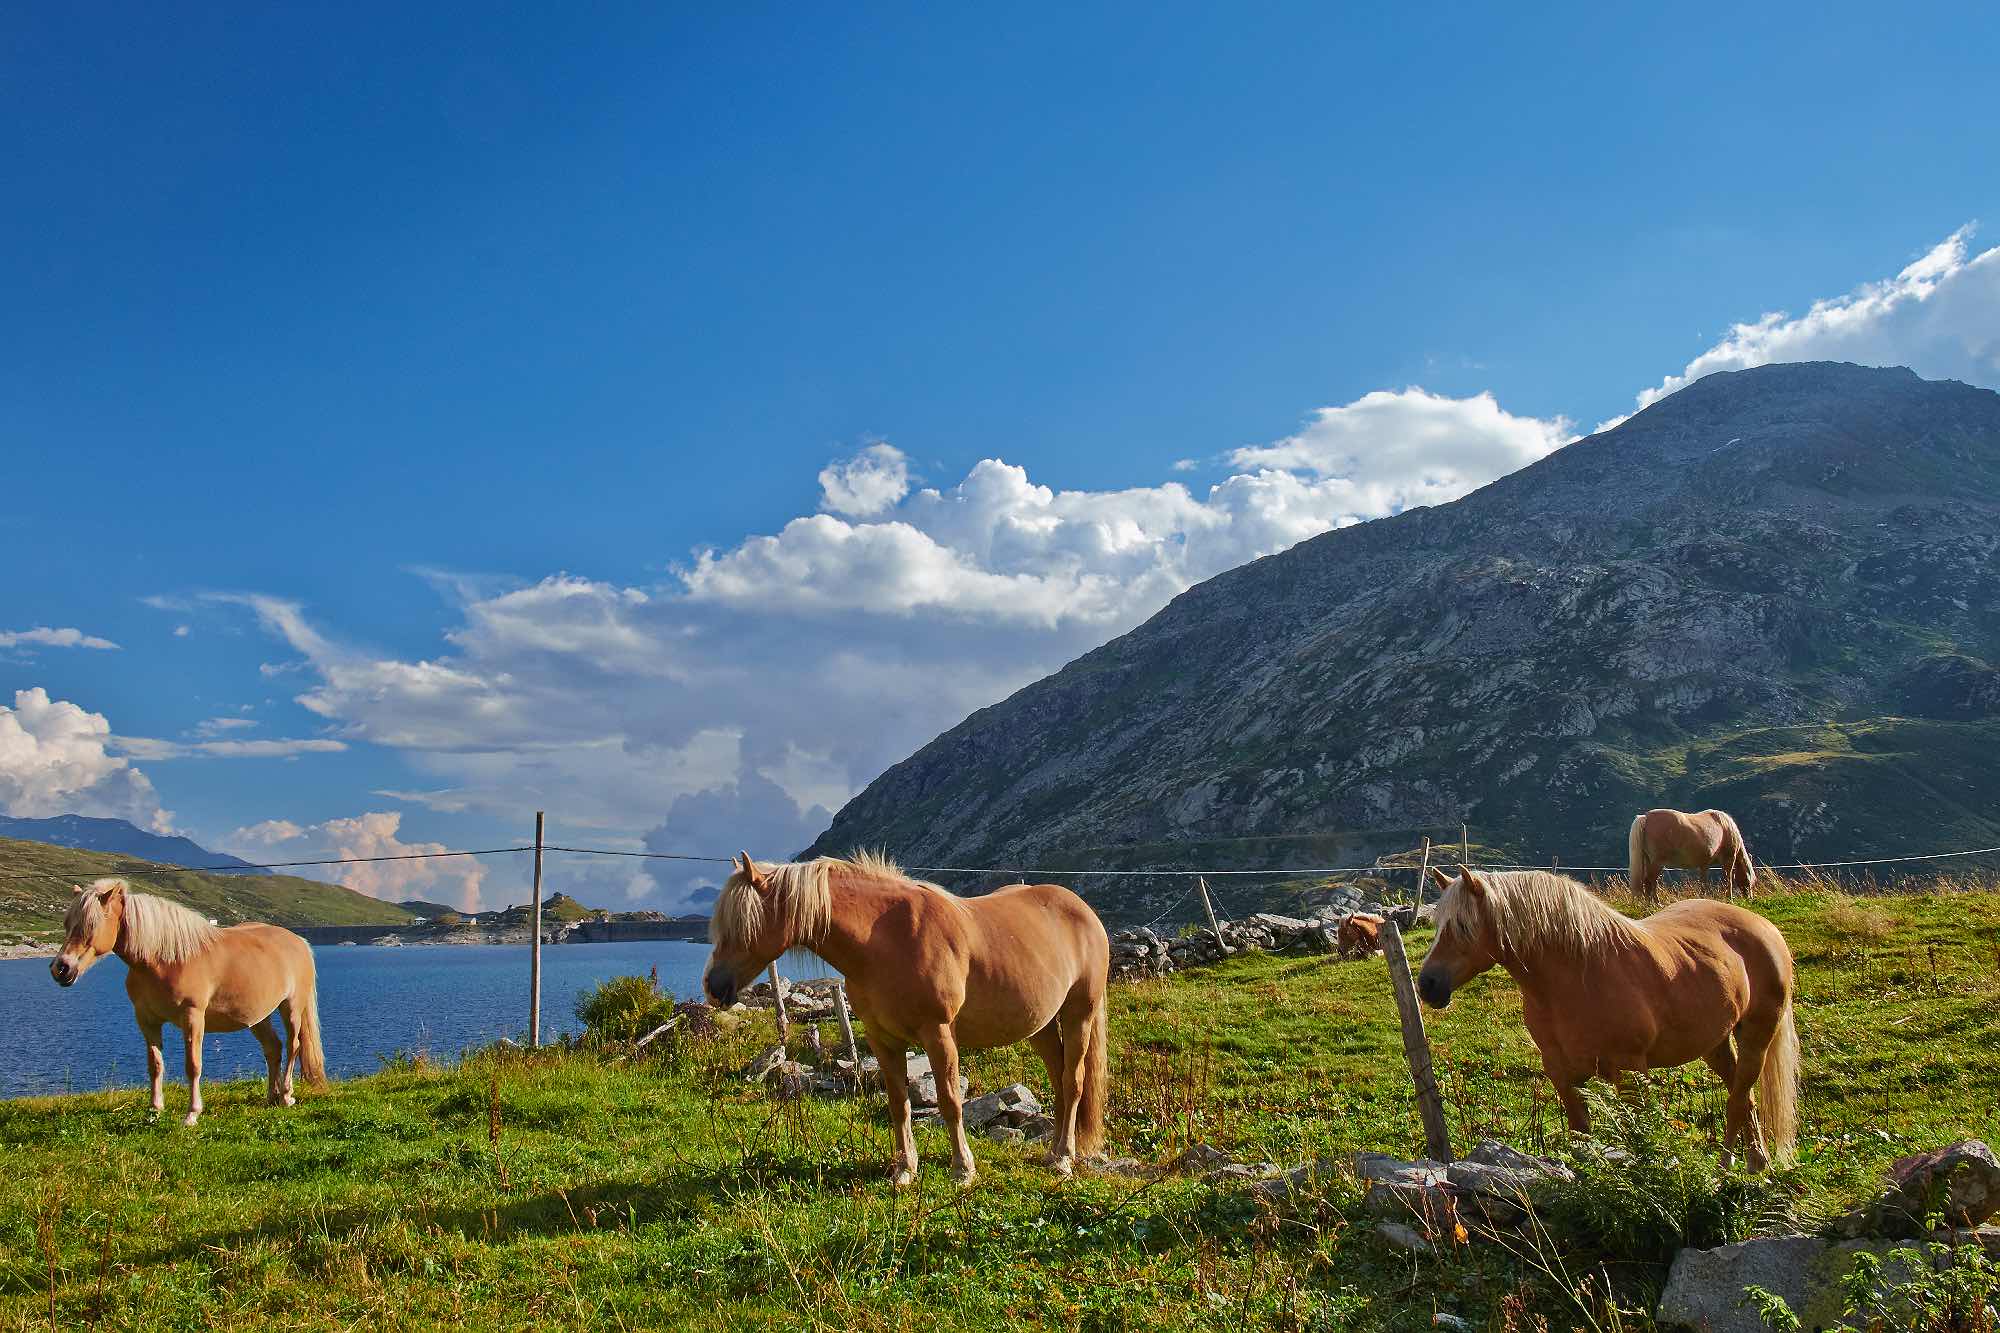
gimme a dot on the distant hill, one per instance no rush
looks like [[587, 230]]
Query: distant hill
[[428, 911], [114, 835], [35, 880], [1776, 591]]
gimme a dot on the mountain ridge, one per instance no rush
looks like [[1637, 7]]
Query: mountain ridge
[[92, 834], [1773, 588]]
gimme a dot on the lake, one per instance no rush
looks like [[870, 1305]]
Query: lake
[[373, 1001]]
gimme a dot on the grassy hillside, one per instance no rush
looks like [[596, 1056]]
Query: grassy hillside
[[568, 1189], [35, 880]]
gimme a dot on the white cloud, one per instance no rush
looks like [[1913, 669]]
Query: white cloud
[[375, 834], [866, 484], [150, 749], [55, 760], [182, 631], [45, 637], [222, 726], [1940, 317], [1185, 464]]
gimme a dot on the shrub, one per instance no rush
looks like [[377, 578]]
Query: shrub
[[622, 1009], [1645, 1188]]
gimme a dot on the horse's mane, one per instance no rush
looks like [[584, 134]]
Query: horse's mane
[[1537, 911], [156, 930], [799, 894]]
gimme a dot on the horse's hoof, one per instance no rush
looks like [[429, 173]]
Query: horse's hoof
[[1063, 1166], [288, 1100], [153, 1115], [902, 1177], [964, 1176], [191, 1118]]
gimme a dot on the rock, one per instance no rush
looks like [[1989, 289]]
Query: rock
[[922, 1082], [1403, 1237], [1121, 1166], [1197, 1158], [1241, 1172], [760, 1068], [984, 1110], [1492, 1152], [1961, 1182], [1036, 1128], [1704, 1291], [1301, 1180]]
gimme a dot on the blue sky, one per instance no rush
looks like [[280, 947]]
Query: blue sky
[[403, 362]]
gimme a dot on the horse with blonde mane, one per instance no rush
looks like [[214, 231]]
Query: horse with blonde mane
[[1605, 995], [1669, 839], [183, 969], [927, 968]]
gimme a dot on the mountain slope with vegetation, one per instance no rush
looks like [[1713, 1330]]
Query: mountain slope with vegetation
[[1773, 591], [35, 880]]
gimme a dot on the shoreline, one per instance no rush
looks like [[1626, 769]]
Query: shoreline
[[389, 940]]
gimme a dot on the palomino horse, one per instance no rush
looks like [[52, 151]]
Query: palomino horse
[[1663, 838], [928, 968], [1606, 995], [181, 969]]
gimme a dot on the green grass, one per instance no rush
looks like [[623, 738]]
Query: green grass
[[566, 1189], [35, 880]]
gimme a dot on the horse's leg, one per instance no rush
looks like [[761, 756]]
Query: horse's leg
[[1048, 1045], [266, 1031], [156, 1065], [896, 1083], [1754, 1036], [292, 1020], [942, 1047], [1723, 1061], [193, 1022], [1075, 1029]]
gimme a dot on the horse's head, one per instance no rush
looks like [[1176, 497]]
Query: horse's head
[[90, 929], [1466, 944], [746, 932]]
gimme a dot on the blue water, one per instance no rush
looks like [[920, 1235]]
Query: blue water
[[373, 1002]]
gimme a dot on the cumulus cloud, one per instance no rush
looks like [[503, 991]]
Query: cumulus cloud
[[867, 484], [45, 637], [375, 834], [55, 759], [1940, 317]]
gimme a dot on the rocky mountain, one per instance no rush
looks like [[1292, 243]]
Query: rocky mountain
[[1774, 591], [115, 835]]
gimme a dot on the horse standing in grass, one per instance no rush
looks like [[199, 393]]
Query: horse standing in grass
[[1667, 838], [1605, 995], [183, 969], [927, 968]]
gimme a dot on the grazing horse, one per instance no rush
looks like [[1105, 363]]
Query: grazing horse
[[183, 969], [1360, 935], [1663, 838], [1605, 995], [925, 967]]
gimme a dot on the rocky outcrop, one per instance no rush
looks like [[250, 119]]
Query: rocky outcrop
[[1142, 951], [1795, 561]]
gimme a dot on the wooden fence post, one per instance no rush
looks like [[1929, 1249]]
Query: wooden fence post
[[1423, 876], [847, 1029], [1416, 1046], [778, 999], [1209, 908], [535, 946], [1464, 847]]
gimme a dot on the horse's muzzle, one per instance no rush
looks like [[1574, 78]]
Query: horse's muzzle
[[720, 988], [1434, 992], [64, 971]]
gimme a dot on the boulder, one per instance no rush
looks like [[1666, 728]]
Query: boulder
[[923, 1083], [1299, 1181], [1704, 1291], [1403, 1237], [1960, 1182], [1016, 1097]]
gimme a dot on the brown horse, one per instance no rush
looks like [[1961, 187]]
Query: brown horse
[[183, 969], [1605, 995], [1667, 838], [927, 968]]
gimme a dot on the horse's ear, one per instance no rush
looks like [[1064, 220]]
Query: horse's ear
[[76, 888], [1442, 880], [112, 890], [1473, 884], [757, 878]]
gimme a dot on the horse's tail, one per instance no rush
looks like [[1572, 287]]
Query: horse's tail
[[1635, 847], [1778, 1087], [1739, 863], [1096, 1078], [312, 1056]]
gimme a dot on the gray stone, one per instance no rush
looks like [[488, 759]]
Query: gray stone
[[1704, 1291], [984, 1110], [1198, 1157], [760, 1068], [1238, 1172], [1492, 1152], [1961, 1182], [1403, 1237], [1294, 1183], [1005, 1134]]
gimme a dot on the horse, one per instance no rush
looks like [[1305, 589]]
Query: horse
[[1605, 995], [183, 969], [925, 967], [1663, 838], [1360, 935]]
